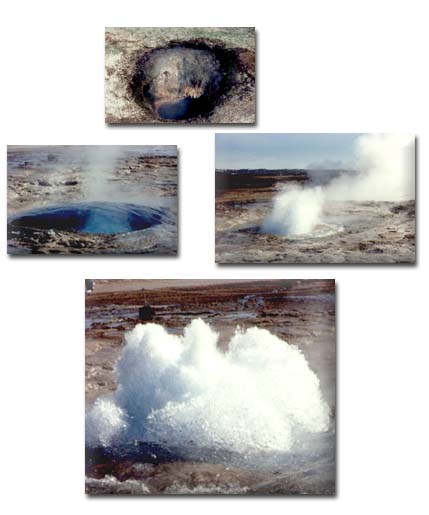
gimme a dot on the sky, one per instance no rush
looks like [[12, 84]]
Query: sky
[[252, 150]]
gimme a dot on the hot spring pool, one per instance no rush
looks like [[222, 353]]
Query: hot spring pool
[[92, 217]]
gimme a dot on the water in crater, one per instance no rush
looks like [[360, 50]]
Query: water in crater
[[92, 217], [181, 109]]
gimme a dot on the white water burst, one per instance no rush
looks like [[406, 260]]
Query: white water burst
[[182, 391]]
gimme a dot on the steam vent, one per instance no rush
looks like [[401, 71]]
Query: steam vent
[[180, 83]]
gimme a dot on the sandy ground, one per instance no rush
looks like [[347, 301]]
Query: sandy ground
[[48, 175], [300, 312], [350, 232], [124, 46]]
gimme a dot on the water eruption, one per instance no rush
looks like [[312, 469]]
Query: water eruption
[[385, 171], [184, 393], [315, 198], [210, 386], [295, 211]]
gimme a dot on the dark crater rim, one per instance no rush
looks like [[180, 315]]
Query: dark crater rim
[[202, 107], [93, 217]]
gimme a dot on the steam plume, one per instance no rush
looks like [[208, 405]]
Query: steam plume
[[99, 169], [385, 165]]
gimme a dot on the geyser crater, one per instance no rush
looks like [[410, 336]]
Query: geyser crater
[[321, 230], [183, 80], [91, 217]]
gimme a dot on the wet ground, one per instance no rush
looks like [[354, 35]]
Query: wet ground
[[349, 232], [41, 178], [300, 312]]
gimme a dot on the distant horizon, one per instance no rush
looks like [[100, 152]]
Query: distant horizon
[[274, 151], [288, 168]]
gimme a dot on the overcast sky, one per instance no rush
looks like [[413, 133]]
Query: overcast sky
[[252, 150]]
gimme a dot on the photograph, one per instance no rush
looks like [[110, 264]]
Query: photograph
[[315, 198], [180, 75], [210, 387], [92, 199]]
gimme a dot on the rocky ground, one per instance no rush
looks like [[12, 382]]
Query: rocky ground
[[350, 232], [44, 176], [301, 312], [125, 47]]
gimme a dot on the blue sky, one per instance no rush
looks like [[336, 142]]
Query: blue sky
[[252, 150]]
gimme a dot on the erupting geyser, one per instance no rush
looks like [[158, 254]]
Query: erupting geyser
[[385, 165], [91, 217], [296, 211], [183, 393]]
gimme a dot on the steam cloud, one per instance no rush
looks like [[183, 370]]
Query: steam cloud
[[100, 164], [386, 172], [183, 392]]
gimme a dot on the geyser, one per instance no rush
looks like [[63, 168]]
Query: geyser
[[183, 393], [178, 82], [91, 217], [385, 165], [296, 211]]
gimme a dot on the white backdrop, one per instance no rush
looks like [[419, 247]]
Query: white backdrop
[[331, 66]]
